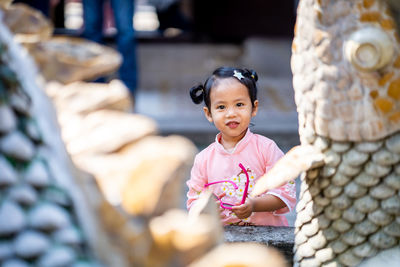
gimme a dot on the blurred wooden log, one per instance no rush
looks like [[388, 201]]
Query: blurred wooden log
[[130, 235], [111, 228], [5, 3], [142, 175], [159, 176], [94, 118], [28, 24], [106, 131], [241, 254], [205, 204], [82, 97], [68, 59], [179, 240]]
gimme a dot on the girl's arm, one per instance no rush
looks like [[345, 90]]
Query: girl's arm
[[192, 196], [264, 203], [267, 203], [196, 182]]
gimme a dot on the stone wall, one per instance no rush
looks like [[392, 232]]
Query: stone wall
[[281, 238]]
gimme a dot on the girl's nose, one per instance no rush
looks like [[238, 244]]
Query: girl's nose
[[230, 112]]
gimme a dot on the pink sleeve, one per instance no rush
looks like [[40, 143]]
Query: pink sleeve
[[196, 182], [287, 192]]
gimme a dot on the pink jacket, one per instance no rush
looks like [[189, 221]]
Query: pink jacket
[[258, 154]]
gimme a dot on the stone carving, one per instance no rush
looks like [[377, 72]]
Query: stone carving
[[41, 221], [346, 77]]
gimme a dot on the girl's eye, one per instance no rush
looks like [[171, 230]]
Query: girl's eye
[[240, 104], [220, 107]]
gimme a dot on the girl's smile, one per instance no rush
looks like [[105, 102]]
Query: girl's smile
[[230, 110], [232, 124]]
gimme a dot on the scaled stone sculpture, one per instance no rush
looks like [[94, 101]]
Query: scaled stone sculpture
[[346, 75], [44, 219]]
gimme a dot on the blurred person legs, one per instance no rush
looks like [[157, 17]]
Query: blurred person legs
[[126, 43], [93, 20]]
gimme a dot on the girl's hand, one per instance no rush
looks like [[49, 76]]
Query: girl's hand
[[245, 210]]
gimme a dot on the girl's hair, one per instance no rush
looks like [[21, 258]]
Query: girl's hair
[[247, 77]]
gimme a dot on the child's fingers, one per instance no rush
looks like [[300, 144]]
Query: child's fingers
[[242, 211], [221, 195], [238, 207], [238, 210]]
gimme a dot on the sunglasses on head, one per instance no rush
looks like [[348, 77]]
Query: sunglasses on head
[[226, 205]]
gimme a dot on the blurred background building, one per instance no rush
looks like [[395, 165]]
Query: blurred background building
[[196, 20]]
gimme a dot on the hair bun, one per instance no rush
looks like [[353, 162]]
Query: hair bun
[[254, 75], [251, 74], [197, 93]]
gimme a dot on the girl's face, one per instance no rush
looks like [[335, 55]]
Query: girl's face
[[230, 110]]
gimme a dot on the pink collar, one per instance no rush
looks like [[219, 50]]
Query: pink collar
[[239, 146]]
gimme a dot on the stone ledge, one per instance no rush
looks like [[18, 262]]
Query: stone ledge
[[280, 237]]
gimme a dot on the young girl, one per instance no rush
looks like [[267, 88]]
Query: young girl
[[238, 158]]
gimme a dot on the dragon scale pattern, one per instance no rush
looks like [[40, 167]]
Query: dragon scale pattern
[[349, 209]]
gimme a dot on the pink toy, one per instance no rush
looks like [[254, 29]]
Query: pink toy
[[228, 205]]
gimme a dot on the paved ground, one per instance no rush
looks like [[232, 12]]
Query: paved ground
[[167, 71]]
